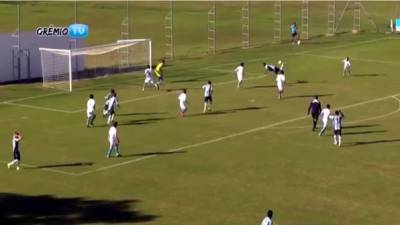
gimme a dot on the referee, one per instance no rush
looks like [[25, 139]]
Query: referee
[[315, 109]]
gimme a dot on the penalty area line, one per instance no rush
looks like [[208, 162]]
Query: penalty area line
[[215, 140], [29, 166]]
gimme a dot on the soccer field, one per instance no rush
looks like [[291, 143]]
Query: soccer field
[[252, 153]]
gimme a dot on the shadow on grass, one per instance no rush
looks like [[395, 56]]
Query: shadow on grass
[[372, 142], [152, 153], [367, 75], [261, 86], [47, 209], [364, 132], [307, 96], [141, 113], [144, 121], [360, 126], [226, 111], [307, 82], [64, 165]]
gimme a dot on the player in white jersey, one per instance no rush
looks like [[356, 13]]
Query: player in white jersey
[[268, 218], [17, 137], [208, 89], [113, 140], [106, 98], [325, 113], [111, 104], [337, 127], [240, 74], [182, 98], [148, 80], [346, 66], [90, 111], [280, 76]]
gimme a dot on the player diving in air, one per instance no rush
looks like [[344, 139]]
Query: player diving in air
[[280, 76]]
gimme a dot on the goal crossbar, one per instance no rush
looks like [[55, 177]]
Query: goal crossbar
[[66, 71]]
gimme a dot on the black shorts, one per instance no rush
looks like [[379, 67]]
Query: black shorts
[[16, 155], [106, 107], [294, 34], [208, 99], [111, 111], [315, 115], [338, 132]]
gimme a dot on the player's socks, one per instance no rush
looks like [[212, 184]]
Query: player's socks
[[340, 140]]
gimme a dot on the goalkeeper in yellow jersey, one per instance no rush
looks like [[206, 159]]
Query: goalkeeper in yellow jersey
[[159, 71]]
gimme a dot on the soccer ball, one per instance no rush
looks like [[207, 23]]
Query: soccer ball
[[279, 62], [298, 42]]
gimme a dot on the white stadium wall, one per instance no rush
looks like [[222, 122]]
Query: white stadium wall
[[30, 69]]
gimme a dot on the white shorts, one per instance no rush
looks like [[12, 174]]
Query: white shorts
[[89, 113], [148, 81], [112, 144], [240, 77], [280, 86], [324, 123], [182, 107]]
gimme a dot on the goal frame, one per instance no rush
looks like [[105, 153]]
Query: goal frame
[[69, 52]]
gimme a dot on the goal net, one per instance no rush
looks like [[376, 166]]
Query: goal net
[[62, 68]]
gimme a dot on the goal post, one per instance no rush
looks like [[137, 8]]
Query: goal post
[[62, 68]]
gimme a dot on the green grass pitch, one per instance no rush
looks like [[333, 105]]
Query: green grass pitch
[[253, 153]]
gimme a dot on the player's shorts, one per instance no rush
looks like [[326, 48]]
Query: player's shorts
[[315, 115], [89, 114], [148, 81], [111, 111], [280, 86], [158, 74], [240, 77], [112, 144], [338, 132], [16, 154], [208, 99], [294, 34], [106, 107], [325, 123], [182, 108]]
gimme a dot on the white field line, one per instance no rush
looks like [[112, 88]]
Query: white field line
[[354, 59], [228, 136], [305, 52], [358, 121], [158, 95], [213, 66], [33, 97], [205, 142], [204, 68], [45, 169], [37, 107]]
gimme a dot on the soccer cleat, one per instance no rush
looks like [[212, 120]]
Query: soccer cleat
[[8, 165]]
